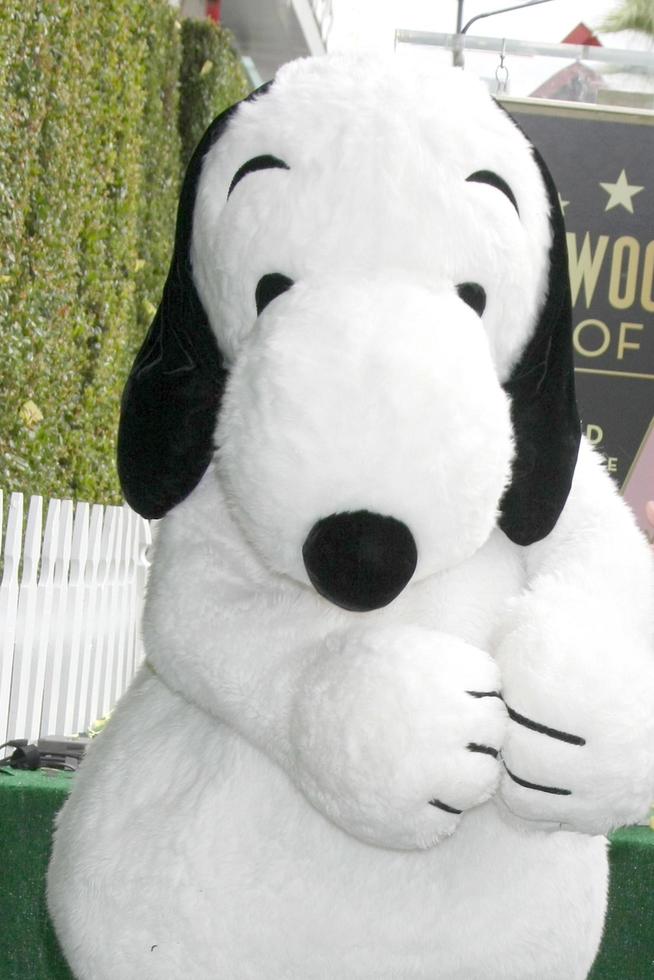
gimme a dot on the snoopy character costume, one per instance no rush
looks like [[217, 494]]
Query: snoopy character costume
[[399, 675]]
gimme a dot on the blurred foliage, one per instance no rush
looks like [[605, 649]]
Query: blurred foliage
[[91, 139], [211, 75], [630, 15]]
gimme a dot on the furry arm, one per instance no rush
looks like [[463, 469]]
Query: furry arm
[[374, 724], [577, 659]]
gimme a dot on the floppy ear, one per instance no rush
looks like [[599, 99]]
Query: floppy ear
[[172, 396], [544, 412]]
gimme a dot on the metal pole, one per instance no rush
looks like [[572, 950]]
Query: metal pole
[[503, 10], [459, 16], [457, 54]]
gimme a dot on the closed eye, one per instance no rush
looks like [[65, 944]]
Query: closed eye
[[494, 180], [264, 162], [269, 288]]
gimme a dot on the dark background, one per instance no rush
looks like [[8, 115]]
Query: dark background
[[584, 147]]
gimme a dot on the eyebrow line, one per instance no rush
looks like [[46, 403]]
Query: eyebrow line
[[494, 180], [264, 162]]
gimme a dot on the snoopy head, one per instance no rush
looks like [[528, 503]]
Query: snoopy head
[[367, 324]]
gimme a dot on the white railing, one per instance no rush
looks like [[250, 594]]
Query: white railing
[[70, 606]]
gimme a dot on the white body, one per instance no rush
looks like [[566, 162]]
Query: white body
[[184, 851], [260, 804]]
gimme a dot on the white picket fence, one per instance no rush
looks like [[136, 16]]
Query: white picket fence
[[70, 607]]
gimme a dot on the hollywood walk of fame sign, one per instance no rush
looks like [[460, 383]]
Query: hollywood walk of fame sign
[[602, 161]]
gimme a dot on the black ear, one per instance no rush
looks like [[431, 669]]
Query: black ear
[[172, 396], [544, 412]]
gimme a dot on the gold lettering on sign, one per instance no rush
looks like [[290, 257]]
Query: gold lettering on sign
[[647, 290], [631, 271], [594, 434], [622, 285], [623, 343], [585, 265], [591, 351]]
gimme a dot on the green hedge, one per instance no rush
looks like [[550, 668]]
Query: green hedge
[[210, 76], [99, 101]]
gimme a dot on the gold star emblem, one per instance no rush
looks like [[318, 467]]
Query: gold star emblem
[[621, 192], [563, 204]]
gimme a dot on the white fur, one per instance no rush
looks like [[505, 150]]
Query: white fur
[[347, 394], [182, 835], [576, 648], [259, 804], [376, 186]]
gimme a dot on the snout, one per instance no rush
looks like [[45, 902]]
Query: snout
[[346, 404], [359, 561]]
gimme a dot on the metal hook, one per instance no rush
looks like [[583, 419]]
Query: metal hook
[[502, 72]]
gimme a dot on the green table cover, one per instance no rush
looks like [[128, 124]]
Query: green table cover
[[28, 946], [29, 950]]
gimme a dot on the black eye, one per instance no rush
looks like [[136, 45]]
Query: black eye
[[474, 295], [269, 288]]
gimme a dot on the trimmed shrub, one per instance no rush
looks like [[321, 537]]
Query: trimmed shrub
[[212, 78], [160, 161], [89, 179]]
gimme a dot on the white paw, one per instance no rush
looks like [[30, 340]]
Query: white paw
[[579, 748], [396, 733]]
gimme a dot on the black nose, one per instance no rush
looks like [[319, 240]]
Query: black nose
[[359, 561]]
